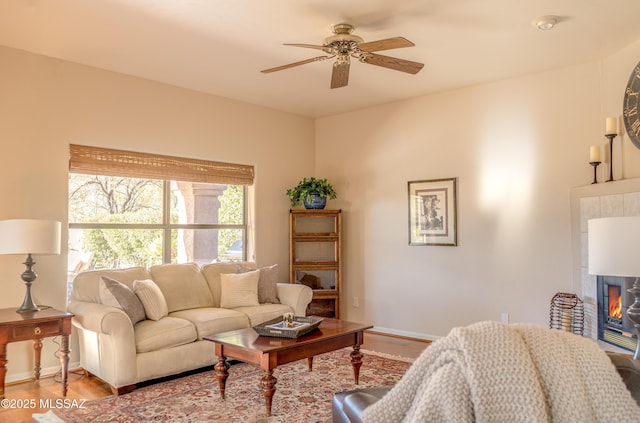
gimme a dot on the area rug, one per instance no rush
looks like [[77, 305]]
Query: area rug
[[301, 396]]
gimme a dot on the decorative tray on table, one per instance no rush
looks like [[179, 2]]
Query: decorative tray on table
[[276, 327]]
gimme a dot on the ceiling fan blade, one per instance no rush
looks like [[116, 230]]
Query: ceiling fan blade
[[323, 48], [340, 74], [386, 44], [291, 65], [393, 63]]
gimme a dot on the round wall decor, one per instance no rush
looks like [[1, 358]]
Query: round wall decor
[[630, 114]]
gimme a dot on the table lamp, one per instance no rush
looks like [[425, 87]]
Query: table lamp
[[29, 236], [613, 251]]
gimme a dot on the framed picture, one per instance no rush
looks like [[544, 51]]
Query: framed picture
[[433, 212]]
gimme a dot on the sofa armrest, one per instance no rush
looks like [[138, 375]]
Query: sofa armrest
[[107, 342], [347, 407], [296, 296], [100, 318], [629, 370]]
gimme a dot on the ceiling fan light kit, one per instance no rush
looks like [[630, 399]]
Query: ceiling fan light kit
[[344, 45]]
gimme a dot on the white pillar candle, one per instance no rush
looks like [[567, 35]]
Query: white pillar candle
[[594, 153], [611, 126]]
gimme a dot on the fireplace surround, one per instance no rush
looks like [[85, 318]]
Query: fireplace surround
[[616, 198]]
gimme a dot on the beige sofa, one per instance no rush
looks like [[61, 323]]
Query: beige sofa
[[123, 354]]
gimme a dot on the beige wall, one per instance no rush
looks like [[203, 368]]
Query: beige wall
[[46, 104], [517, 147]]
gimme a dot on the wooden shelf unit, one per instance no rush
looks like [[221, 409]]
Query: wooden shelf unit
[[315, 257]]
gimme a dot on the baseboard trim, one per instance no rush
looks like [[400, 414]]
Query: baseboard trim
[[45, 372], [415, 336]]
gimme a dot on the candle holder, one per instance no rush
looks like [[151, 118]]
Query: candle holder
[[610, 137], [595, 173], [633, 313]]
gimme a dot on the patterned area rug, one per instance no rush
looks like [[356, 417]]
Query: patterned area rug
[[301, 396]]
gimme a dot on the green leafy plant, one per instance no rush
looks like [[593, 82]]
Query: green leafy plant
[[309, 186]]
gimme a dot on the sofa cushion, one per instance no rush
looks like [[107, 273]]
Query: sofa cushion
[[153, 335], [182, 285], [209, 321], [116, 294], [263, 312], [212, 274], [267, 292], [239, 289], [152, 299]]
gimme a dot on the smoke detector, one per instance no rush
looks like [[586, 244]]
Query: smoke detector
[[546, 23]]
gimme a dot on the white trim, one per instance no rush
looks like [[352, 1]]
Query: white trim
[[405, 333], [44, 373]]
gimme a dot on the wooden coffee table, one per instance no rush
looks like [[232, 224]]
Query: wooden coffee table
[[269, 352]]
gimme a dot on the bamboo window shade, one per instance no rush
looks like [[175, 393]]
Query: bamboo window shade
[[109, 162]]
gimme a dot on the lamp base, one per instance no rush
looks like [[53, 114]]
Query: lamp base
[[28, 306], [28, 276]]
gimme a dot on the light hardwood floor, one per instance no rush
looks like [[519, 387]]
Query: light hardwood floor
[[89, 388]]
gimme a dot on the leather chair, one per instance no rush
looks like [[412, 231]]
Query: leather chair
[[347, 406]]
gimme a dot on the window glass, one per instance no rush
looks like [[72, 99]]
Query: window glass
[[117, 222], [108, 199], [115, 248], [203, 203], [207, 245]]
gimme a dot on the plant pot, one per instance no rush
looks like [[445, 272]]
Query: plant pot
[[317, 202]]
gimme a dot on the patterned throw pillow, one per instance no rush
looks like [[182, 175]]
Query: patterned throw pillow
[[239, 289], [152, 299], [116, 294], [267, 283]]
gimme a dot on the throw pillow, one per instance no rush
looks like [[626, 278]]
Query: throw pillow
[[239, 289], [267, 283], [152, 299], [116, 294]]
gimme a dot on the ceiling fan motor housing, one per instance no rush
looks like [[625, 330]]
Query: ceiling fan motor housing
[[343, 33]]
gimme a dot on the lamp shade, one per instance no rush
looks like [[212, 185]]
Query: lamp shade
[[29, 236], [613, 246]]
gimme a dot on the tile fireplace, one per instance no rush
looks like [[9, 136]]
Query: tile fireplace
[[592, 201]]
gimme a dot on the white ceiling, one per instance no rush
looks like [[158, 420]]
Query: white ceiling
[[220, 46]]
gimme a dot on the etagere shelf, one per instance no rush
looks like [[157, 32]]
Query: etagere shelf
[[315, 257]]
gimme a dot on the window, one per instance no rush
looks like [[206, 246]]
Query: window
[[120, 218]]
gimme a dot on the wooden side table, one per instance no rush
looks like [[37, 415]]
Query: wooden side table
[[45, 323]]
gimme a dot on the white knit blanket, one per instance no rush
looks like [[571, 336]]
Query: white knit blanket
[[491, 372]]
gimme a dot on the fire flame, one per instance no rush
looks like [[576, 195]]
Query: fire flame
[[615, 307]]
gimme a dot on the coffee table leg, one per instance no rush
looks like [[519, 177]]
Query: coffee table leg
[[268, 383], [310, 362], [356, 362], [222, 373]]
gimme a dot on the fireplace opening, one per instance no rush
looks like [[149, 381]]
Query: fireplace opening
[[614, 327], [615, 304]]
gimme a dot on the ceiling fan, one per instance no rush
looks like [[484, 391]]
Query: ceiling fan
[[344, 45]]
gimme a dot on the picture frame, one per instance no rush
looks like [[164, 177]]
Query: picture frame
[[433, 212]]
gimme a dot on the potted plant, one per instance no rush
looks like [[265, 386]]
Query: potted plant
[[312, 193]]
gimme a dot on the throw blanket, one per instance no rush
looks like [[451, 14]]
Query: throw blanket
[[492, 372]]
